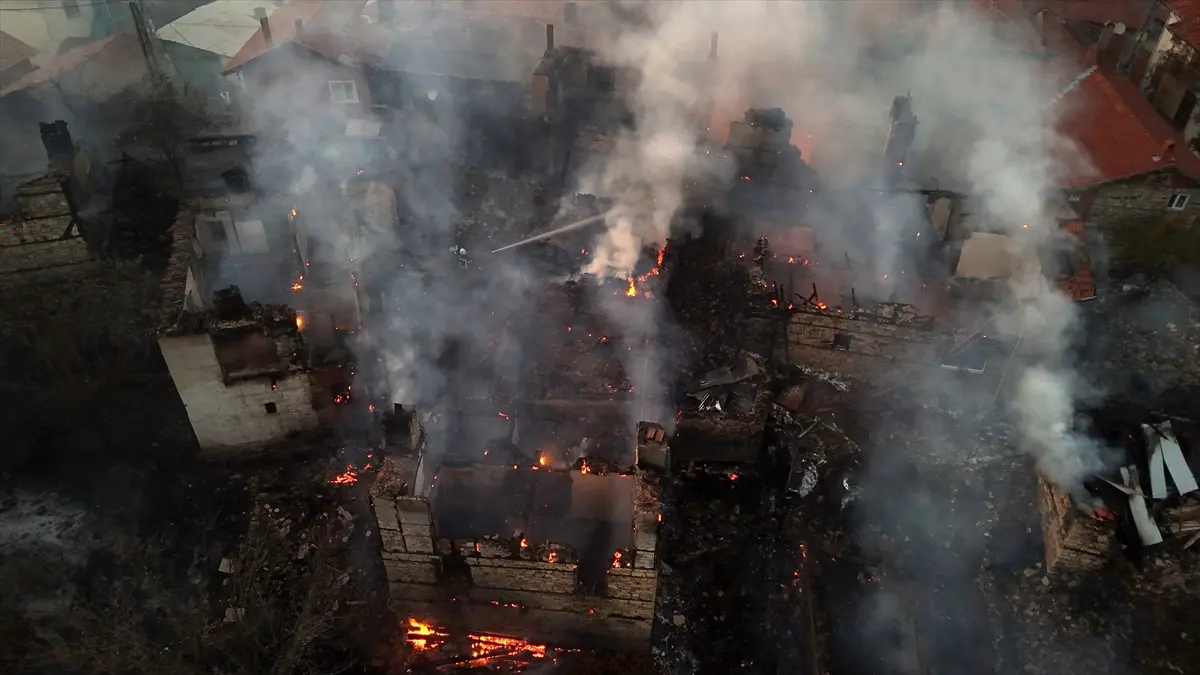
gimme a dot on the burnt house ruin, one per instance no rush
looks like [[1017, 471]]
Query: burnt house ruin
[[533, 519]]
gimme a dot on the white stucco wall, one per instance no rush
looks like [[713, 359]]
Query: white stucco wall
[[43, 24], [230, 417]]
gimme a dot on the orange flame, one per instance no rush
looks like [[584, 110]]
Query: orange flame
[[299, 322], [552, 557], [524, 543], [631, 290], [423, 636], [584, 468], [347, 477], [543, 460], [297, 286]]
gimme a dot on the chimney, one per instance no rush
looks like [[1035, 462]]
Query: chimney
[[712, 46], [387, 9], [1105, 36], [549, 36], [260, 13], [56, 138]]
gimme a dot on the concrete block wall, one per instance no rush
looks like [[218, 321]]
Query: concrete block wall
[[227, 417]]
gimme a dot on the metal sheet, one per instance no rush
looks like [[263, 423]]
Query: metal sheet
[[1146, 527]]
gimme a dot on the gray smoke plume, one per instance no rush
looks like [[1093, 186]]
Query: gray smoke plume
[[988, 112], [394, 205]]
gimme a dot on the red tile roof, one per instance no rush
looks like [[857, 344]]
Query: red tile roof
[[1188, 26], [1081, 284], [1132, 13], [283, 30], [1113, 124]]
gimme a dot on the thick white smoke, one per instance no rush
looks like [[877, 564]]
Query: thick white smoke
[[987, 105]]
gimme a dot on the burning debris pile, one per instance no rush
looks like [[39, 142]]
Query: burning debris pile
[[432, 649], [1154, 498]]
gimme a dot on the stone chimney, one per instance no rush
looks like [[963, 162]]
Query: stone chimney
[[60, 148], [902, 130], [387, 9], [260, 13], [1105, 36], [549, 36], [712, 46]]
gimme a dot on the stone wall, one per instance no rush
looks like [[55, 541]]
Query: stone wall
[[44, 239], [1074, 540], [529, 592], [241, 414], [873, 343], [1141, 198]]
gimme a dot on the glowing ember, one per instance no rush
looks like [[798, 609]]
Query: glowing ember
[[347, 477], [504, 415], [732, 475], [658, 261], [1103, 513], [616, 559], [297, 286], [524, 543], [584, 468], [552, 557], [821, 305], [631, 290]]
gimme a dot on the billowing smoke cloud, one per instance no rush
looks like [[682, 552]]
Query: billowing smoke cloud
[[392, 194], [988, 108]]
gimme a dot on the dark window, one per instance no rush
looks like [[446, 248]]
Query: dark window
[[841, 340], [71, 7], [216, 231], [271, 408], [602, 78], [1187, 105], [1177, 202]]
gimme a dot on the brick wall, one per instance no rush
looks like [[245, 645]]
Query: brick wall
[[234, 416], [1073, 540]]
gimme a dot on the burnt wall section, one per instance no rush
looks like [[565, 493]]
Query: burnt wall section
[[1074, 540], [509, 586], [718, 436], [859, 344]]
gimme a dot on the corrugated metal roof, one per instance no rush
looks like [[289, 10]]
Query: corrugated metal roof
[[220, 27]]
